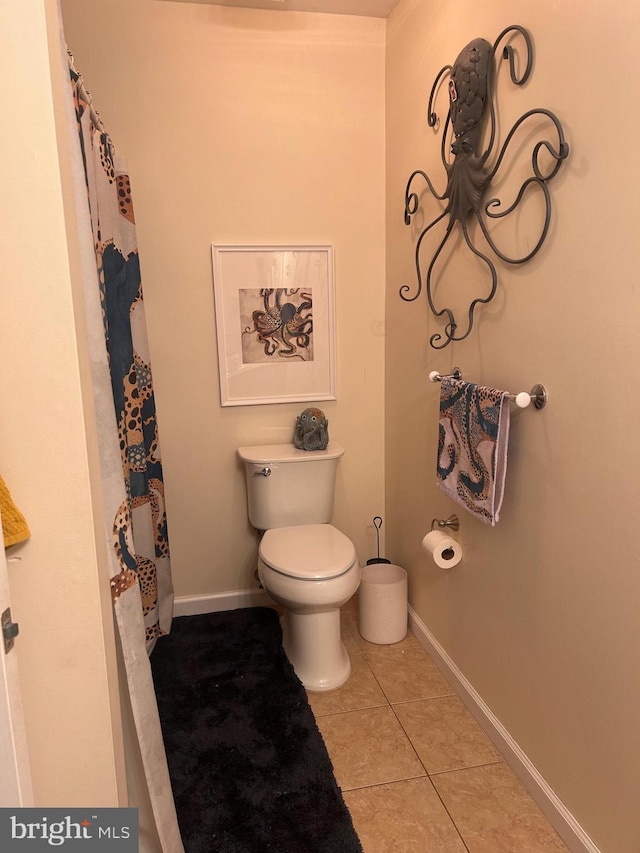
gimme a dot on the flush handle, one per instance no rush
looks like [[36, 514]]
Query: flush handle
[[9, 630], [265, 472]]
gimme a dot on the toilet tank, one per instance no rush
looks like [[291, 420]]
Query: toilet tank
[[287, 487]]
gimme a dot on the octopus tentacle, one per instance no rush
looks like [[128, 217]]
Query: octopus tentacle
[[495, 202], [411, 200], [428, 280], [508, 53], [448, 333], [478, 300], [443, 143], [558, 154], [432, 116], [405, 287], [450, 328]]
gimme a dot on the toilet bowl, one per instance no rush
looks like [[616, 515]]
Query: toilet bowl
[[311, 570]]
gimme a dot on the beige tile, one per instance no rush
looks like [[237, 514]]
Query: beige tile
[[349, 639], [494, 813], [361, 691], [407, 673], [445, 735], [350, 620], [368, 748], [402, 817]]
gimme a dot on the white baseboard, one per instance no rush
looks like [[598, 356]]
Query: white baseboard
[[550, 804], [192, 605]]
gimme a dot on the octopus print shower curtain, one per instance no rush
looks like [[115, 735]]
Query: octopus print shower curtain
[[140, 525], [135, 521]]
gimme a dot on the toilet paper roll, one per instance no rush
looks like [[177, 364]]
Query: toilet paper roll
[[446, 552]]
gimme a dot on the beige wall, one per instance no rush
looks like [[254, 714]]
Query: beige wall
[[242, 126], [59, 584], [224, 115], [542, 615]]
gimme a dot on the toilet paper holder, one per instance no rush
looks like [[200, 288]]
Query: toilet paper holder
[[453, 522]]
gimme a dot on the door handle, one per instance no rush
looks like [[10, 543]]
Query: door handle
[[10, 630]]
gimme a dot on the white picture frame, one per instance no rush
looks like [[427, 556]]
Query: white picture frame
[[275, 322]]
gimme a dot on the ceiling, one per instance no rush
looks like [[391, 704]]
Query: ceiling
[[369, 8]]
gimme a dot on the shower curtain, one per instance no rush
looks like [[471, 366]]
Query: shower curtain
[[140, 525], [131, 469]]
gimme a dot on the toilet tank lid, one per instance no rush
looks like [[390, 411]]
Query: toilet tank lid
[[287, 453]]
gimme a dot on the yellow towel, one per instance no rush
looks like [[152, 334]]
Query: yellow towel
[[14, 525]]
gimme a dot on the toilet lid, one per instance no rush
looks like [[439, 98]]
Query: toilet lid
[[309, 552]]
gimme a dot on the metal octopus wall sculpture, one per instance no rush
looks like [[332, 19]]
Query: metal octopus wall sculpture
[[471, 94]]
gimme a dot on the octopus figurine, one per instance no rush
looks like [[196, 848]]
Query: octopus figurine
[[312, 430], [470, 90]]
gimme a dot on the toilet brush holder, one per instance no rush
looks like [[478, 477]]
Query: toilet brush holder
[[377, 523], [382, 599]]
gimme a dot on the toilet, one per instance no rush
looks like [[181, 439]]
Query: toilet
[[304, 563]]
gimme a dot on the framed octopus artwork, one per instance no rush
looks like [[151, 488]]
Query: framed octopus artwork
[[275, 323]]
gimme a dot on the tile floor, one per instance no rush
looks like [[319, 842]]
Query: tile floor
[[417, 772]]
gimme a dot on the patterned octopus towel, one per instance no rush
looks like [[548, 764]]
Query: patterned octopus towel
[[472, 446]]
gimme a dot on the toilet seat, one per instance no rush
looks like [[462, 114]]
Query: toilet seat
[[308, 552]]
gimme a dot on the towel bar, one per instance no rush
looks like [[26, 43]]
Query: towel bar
[[537, 395]]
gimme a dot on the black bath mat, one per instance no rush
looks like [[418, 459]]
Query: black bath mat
[[249, 769]]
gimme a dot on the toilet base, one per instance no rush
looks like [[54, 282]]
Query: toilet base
[[314, 646]]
